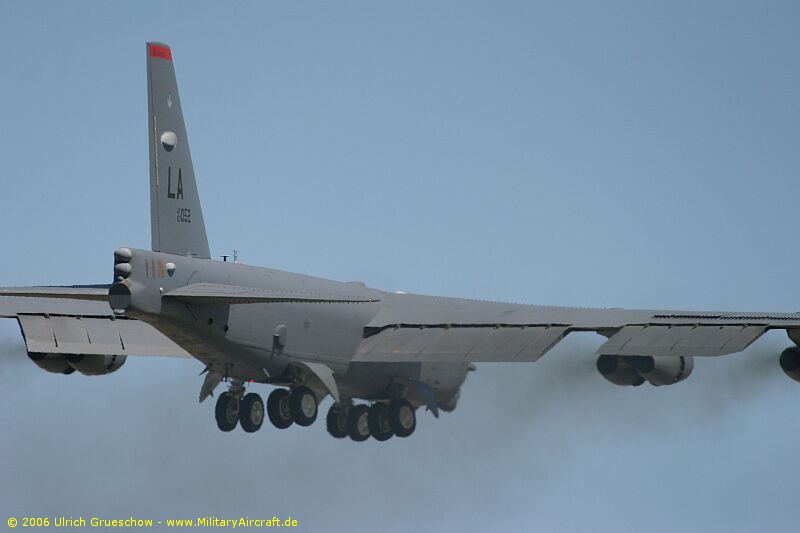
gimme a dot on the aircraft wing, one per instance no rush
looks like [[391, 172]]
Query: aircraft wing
[[412, 328], [78, 320]]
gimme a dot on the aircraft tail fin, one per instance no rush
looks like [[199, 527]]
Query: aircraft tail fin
[[176, 218]]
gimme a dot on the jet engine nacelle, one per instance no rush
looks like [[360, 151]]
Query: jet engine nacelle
[[634, 370], [95, 365], [790, 362], [51, 362]]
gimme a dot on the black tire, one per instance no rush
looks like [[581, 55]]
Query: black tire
[[379, 425], [227, 411], [251, 412], [278, 409], [303, 403], [402, 418], [358, 423], [336, 421]]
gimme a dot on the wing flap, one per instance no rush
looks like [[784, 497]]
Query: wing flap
[[95, 336], [459, 344], [694, 340], [219, 294]]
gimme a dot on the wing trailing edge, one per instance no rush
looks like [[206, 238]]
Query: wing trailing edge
[[97, 293]]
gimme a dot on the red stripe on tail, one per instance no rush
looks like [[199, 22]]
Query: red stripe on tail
[[160, 51]]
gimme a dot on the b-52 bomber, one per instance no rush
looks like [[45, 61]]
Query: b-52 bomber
[[380, 355]]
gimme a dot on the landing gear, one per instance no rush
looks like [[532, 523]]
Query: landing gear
[[358, 423], [402, 418], [378, 421], [303, 405], [381, 420], [251, 412], [227, 411], [278, 409], [336, 421]]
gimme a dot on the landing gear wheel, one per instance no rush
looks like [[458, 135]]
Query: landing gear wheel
[[402, 418], [227, 411], [251, 412], [337, 421], [358, 423], [378, 420], [278, 409], [303, 404]]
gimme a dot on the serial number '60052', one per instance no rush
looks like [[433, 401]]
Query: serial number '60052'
[[185, 215]]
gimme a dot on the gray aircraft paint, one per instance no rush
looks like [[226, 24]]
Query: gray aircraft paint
[[344, 339]]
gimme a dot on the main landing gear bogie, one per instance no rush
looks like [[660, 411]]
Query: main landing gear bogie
[[381, 420]]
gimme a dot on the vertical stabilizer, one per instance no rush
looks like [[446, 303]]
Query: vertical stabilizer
[[176, 219]]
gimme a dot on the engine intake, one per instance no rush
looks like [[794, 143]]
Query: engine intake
[[663, 370], [790, 362], [618, 370]]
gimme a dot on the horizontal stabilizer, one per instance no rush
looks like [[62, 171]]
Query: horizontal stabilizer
[[217, 294], [97, 293]]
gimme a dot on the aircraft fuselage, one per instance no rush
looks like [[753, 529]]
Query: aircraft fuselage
[[260, 342]]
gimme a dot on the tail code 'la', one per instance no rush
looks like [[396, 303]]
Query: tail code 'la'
[[176, 219]]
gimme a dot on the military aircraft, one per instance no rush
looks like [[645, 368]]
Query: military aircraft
[[380, 355]]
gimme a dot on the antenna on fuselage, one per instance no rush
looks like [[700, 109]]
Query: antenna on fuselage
[[235, 256]]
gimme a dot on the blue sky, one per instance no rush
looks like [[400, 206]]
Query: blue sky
[[615, 154]]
